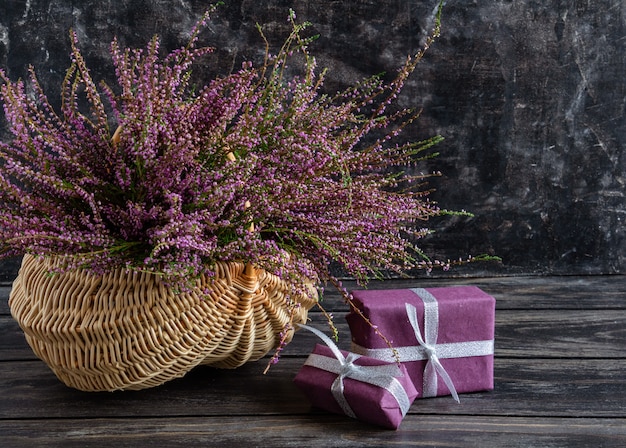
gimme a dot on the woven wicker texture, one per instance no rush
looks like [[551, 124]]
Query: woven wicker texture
[[129, 331]]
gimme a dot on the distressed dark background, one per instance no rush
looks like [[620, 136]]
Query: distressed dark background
[[529, 95]]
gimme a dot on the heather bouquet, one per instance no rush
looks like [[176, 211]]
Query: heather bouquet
[[163, 174]]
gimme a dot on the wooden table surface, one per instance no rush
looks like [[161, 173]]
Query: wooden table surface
[[560, 381]]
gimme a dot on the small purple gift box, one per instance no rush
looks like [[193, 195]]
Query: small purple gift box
[[360, 387], [444, 336]]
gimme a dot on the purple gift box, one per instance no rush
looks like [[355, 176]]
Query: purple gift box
[[368, 389], [444, 336]]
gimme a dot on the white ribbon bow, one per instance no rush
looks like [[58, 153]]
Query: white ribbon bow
[[383, 376], [429, 342]]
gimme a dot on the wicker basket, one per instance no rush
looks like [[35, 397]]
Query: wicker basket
[[128, 331]]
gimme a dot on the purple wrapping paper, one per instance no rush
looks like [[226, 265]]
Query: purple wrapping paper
[[370, 403], [466, 313]]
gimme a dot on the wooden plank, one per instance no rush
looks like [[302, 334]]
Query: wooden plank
[[555, 333], [4, 299], [315, 430], [524, 292], [549, 333], [13, 345], [566, 292], [534, 333], [520, 333], [544, 387]]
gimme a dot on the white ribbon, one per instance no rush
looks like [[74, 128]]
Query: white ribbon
[[382, 376], [428, 349]]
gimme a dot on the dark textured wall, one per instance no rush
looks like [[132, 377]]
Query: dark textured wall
[[529, 95]]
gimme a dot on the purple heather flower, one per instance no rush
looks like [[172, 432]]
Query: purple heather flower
[[166, 188]]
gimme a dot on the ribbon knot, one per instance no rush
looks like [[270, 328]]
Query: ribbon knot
[[384, 376], [430, 351], [348, 367]]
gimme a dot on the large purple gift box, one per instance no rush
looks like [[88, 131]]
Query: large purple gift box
[[380, 398], [444, 336]]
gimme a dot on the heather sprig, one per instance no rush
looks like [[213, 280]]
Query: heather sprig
[[260, 165]]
